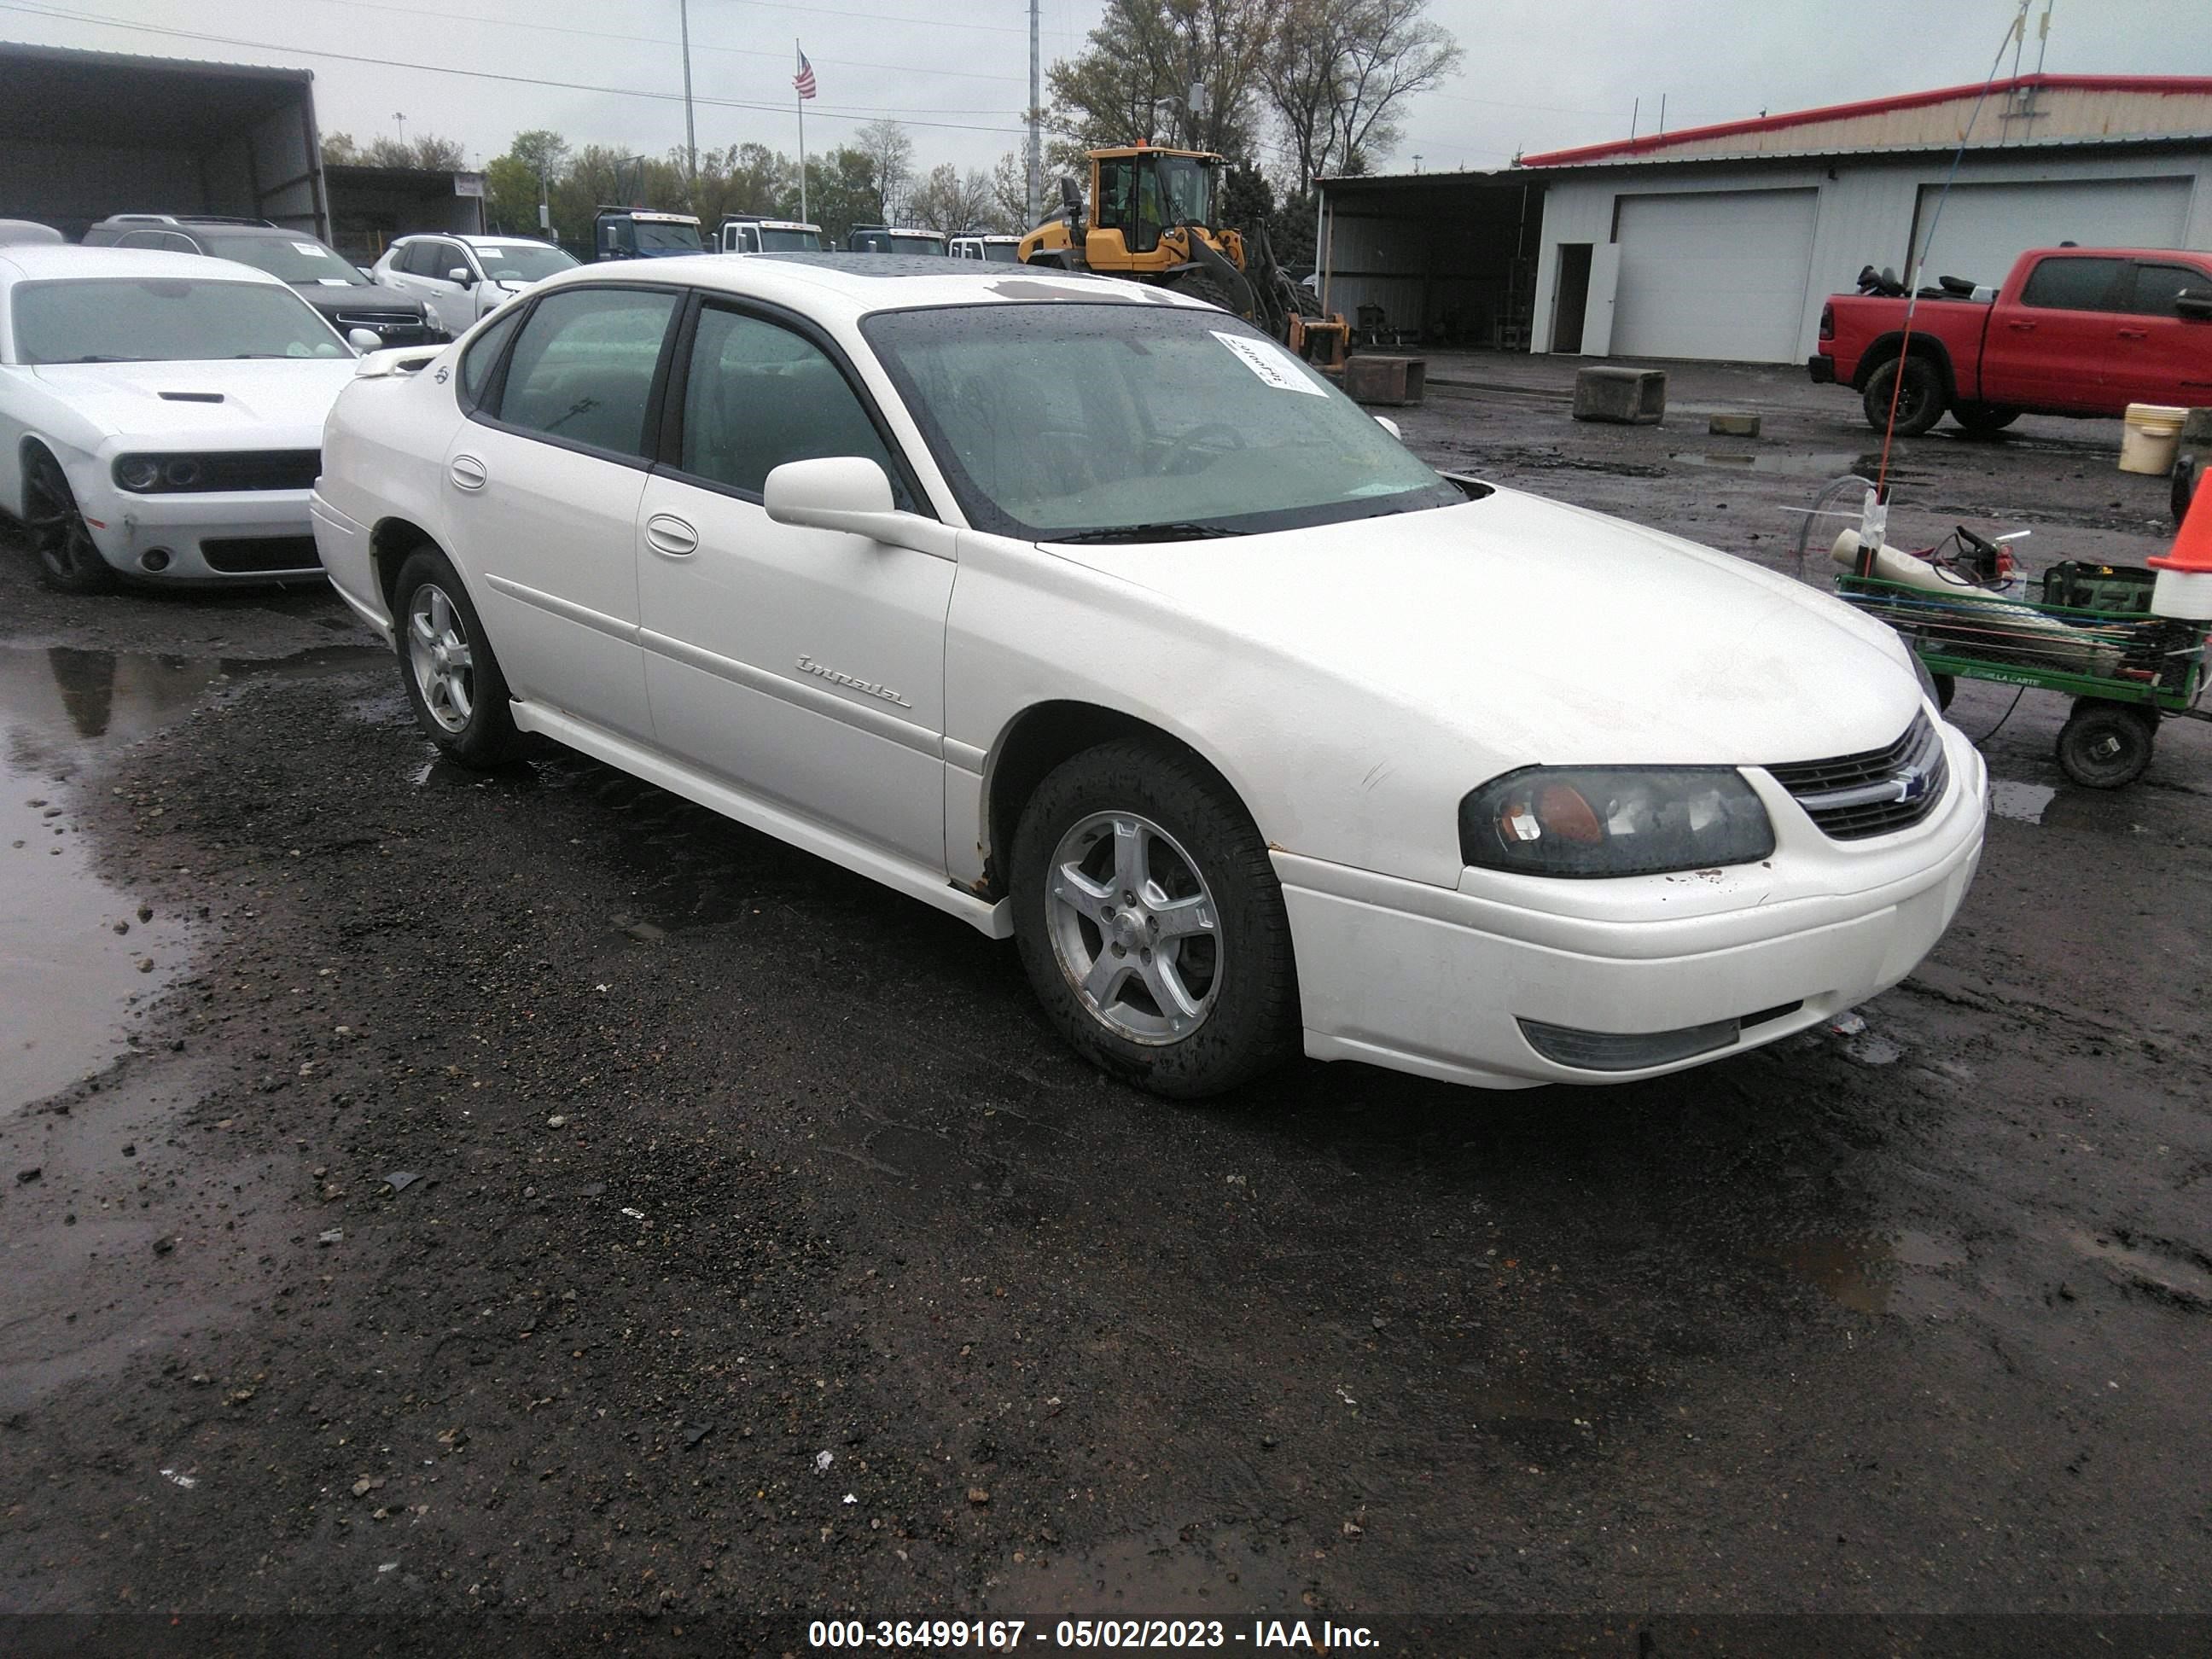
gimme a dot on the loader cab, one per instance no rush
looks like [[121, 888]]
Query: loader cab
[[1140, 192]]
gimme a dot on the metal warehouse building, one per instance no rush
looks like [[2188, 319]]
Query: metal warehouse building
[[1722, 241]]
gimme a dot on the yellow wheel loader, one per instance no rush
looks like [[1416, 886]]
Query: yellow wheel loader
[[1154, 216]]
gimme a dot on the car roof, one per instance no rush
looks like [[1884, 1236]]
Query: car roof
[[41, 260], [847, 287]]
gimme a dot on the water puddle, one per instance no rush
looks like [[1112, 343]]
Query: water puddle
[[81, 959], [1833, 463], [2025, 802], [1870, 1272]]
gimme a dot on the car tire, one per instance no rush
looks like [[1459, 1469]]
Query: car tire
[[68, 561], [1150, 923], [2186, 472], [1983, 419], [2106, 745], [1919, 402], [1947, 688], [453, 679]]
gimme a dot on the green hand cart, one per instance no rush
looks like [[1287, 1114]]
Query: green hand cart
[[2087, 634]]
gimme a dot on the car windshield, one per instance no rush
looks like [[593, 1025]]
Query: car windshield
[[914, 244], [521, 262], [666, 238], [136, 319], [1186, 191], [1002, 254], [1139, 421], [296, 258], [790, 242]]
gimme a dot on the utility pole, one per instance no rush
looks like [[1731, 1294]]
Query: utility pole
[[400, 116], [690, 131], [1036, 149]]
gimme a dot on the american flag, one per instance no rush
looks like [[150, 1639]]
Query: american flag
[[804, 79]]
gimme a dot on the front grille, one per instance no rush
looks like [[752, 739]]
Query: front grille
[[1878, 793], [380, 320], [255, 469], [242, 556]]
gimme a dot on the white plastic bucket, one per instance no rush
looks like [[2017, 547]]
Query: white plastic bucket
[[2150, 436]]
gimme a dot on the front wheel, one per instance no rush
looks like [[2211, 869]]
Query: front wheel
[[453, 681], [1919, 401], [1151, 922], [1983, 419], [68, 560], [2104, 745]]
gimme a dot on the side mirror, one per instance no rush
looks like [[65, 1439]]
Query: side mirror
[[460, 274], [1070, 196], [851, 494], [2193, 305], [364, 339], [1389, 426]]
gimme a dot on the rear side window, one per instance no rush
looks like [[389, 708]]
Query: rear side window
[[2158, 287], [2075, 285], [583, 367], [483, 356], [758, 395]]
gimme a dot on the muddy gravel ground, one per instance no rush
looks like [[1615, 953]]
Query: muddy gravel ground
[[445, 1197]]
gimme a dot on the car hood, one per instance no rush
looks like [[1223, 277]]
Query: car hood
[[271, 402], [1548, 635]]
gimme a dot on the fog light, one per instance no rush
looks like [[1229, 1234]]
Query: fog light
[[154, 560]]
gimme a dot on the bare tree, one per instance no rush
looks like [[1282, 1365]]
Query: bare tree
[[1010, 193], [953, 205], [890, 164], [1338, 74], [1133, 80]]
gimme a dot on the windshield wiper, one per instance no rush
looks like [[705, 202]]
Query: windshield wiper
[[1172, 530]]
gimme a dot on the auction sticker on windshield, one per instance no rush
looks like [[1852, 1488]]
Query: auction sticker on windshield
[[1271, 363]]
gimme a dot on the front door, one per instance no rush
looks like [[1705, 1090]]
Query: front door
[[804, 665], [2160, 356], [543, 494]]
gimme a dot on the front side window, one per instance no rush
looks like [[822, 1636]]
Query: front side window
[[2158, 287], [758, 395], [583, 367], [1101, 421], [2063, 284], [137, 320], [446, 258]]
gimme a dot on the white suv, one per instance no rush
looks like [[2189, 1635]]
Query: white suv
[[1087, 614], [461, 278]]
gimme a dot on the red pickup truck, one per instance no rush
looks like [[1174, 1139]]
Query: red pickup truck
[[2074, 330]]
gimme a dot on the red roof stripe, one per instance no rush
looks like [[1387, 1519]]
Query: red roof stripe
[[1622, 146]]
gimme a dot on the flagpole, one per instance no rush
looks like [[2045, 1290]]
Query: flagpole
[[799, 98]]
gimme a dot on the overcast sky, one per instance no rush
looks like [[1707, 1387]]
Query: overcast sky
[[1541, 73]]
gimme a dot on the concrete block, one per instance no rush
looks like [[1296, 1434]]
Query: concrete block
[[2197, 429], [1371, 379], [1727, 425], [1626, 396]]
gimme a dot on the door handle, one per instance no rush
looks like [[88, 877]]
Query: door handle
[[2134, 333], [2020, 327], [467, 472], [667, 534]]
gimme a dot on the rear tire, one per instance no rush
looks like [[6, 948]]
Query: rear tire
[[2106, 745], [68, 561], [453, 681], [1919, 404], [1983, 419], [1151, 922]]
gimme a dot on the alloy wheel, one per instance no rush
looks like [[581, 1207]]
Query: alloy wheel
[[1136, 928], [438, 651], [57, 530]]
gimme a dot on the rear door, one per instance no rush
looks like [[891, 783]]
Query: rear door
[[804, 665], [2052, 348], [2160, 356], [542, 488]]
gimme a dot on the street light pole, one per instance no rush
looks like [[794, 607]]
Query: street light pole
[[690, 131]]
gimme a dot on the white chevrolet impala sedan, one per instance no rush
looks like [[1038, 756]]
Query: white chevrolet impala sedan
[[1092, 617]]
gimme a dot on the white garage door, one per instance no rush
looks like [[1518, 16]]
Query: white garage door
[[1984, 227], [1718, 274]]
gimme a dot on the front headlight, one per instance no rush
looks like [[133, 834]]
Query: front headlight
[[142, 473], [138, 473], [1613, 821]]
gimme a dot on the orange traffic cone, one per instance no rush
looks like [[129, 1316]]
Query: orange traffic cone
[[2185, 575]]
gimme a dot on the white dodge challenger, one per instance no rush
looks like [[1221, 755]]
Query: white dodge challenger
[[160, 415], [1090, 615]]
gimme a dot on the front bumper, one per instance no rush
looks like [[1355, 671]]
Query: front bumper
[[206, 537], [1822, 369], [1440, 983]]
